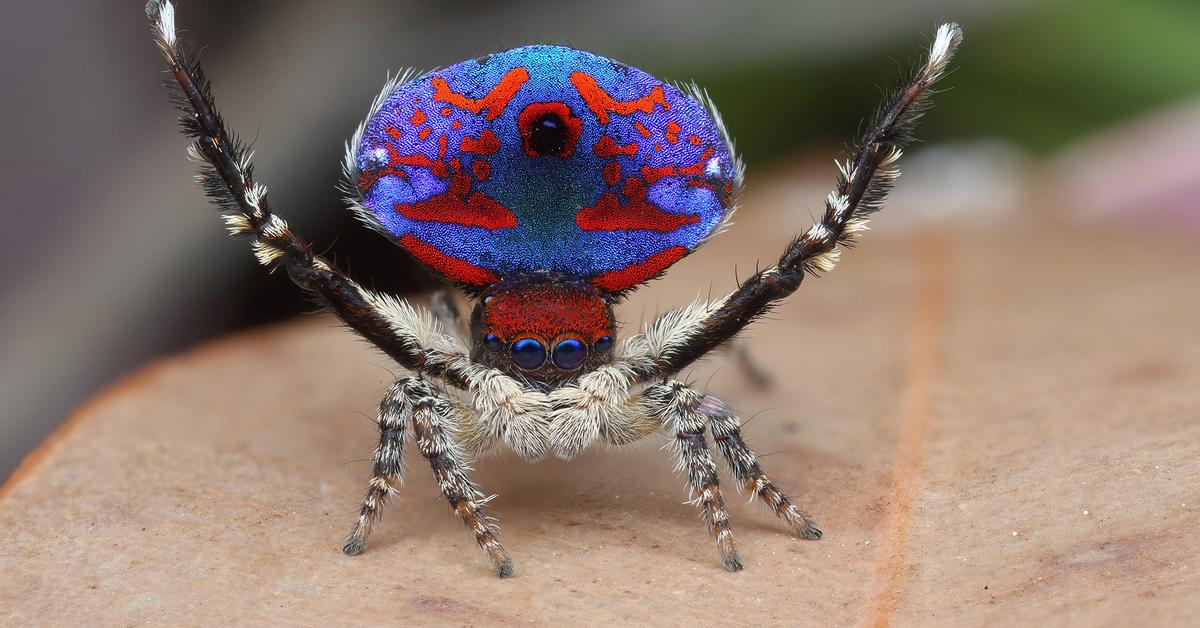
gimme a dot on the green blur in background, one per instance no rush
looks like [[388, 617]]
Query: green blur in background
[[1039, 76]]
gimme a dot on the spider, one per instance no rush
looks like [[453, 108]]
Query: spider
[[546, 183]]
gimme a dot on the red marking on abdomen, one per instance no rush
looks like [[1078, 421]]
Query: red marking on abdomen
[[424, 134], [394, 132], [494, 101], [641, 128], [695, 140], [418, 118], [454, 268], [407, 160], [601, 103], [672, 133], [460, 206], [612, 173], [652, 174], [487, 143], [609, 214], [633, 274], [697, 168], [607, 147], [481, 169]]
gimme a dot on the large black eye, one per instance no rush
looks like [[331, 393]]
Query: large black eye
[[604, 345], [528, 353], [569, 354], [492, 343]]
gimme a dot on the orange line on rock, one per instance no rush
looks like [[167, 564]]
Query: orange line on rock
[[916, 412]]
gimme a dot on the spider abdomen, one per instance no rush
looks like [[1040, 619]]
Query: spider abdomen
[[544, 158]]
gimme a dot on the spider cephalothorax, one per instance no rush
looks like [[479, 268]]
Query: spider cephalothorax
[[545, 183], [542, 327]]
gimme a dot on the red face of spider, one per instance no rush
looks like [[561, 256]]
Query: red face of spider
[[542, 327]]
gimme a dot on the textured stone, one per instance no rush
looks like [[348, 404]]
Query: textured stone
[[994, 426]]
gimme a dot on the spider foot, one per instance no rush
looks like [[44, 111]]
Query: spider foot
[[356, 541], [801, 524], [501, 562], [505, 569], [354, 547], [809, 533]]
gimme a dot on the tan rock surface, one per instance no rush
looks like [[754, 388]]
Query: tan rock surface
[[994, 427]]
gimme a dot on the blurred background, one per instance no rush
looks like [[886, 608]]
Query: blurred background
[[114, 256]]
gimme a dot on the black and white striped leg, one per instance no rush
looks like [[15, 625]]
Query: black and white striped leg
[[677, 407], [386, 464], [682, 336], [227, 175], [743, 464], [433, 419]]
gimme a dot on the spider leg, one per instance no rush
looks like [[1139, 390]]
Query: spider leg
[[755, 372], [404, 333], [743, 464], [386, 463], [445, 310], [678, 408], [684, 335], [434, 419]]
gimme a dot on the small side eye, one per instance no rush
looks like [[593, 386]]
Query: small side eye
[[528, 353], [569, 354], [604, 345], [492, 343]]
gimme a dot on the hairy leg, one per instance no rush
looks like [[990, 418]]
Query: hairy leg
[[743, 464], [434, 420], [678, 408], [386, 463], [684, 335], [227, 175]]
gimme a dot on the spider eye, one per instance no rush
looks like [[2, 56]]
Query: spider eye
[[604, 345], [528, 353], [569, 354], [492, 343]]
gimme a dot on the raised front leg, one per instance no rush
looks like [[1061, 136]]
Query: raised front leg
[[743, 464], [684, 335], [678, 408], [405, 333]]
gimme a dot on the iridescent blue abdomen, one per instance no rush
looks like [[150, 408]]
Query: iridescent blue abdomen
[[544, 158]]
